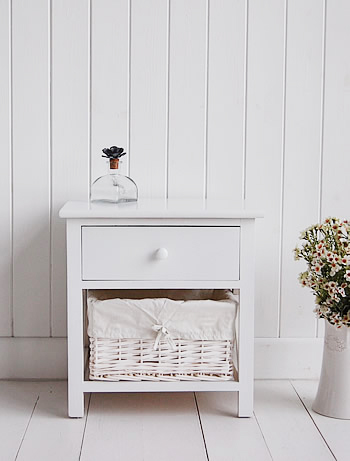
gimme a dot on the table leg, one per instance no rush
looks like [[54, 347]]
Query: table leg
[[246, 322], [74, 323]]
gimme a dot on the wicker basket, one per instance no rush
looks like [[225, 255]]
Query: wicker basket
[[137, 359]]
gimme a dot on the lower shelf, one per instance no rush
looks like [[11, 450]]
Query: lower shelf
[[145, 386]]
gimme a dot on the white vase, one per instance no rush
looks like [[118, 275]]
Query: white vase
[[333, 395]]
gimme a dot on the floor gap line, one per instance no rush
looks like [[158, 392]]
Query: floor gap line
[[262, 434], [26, 429], [201, 426], [312, 419], [86, 419]]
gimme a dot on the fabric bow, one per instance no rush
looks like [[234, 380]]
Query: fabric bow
[[163, 331]]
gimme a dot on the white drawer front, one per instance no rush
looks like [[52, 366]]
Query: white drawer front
[[160, 253]]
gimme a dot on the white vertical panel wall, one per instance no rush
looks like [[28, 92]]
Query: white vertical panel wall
[[336, 137], [108, 67], [149, 38], [5, 168], [303, 130], [31, 168], [264, 149], [226, 94], [247, 99], [69, 134], [187, 97]]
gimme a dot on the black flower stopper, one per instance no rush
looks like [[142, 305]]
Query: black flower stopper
[[113, 152]]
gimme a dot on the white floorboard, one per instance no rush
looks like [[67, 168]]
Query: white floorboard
[[288, 430], [336, 432], [228, 437], [17, 402], [51, 435], [147, 427], [168, 426]]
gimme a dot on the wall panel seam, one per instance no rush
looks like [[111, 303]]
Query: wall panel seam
[[206, 89], [11, 164], [89, 96], [283, 149], [323, 75], [49, 48], [245, 102], [129, 91], [167, 76]]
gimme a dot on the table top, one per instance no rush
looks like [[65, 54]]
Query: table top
[[159, 208]]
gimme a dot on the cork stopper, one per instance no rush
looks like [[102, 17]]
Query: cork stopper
[[114, 163]]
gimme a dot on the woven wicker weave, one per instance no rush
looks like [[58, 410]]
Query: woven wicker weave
[[136, 360]]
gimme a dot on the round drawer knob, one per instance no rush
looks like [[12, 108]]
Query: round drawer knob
[[162, 253]]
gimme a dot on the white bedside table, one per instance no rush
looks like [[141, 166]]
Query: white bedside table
[[159, 244]]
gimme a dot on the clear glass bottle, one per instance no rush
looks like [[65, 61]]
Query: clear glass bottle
[[114, 187]]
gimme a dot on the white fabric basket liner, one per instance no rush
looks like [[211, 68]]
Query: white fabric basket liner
[[178, 314]]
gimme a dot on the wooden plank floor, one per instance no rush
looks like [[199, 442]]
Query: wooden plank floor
[[158, 427]]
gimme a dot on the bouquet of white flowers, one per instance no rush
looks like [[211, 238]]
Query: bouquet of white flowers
[[326, 250]]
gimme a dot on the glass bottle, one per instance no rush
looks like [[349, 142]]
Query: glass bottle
[[114, 187]]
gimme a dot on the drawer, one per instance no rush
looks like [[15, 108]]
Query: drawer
[[160, 253]]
